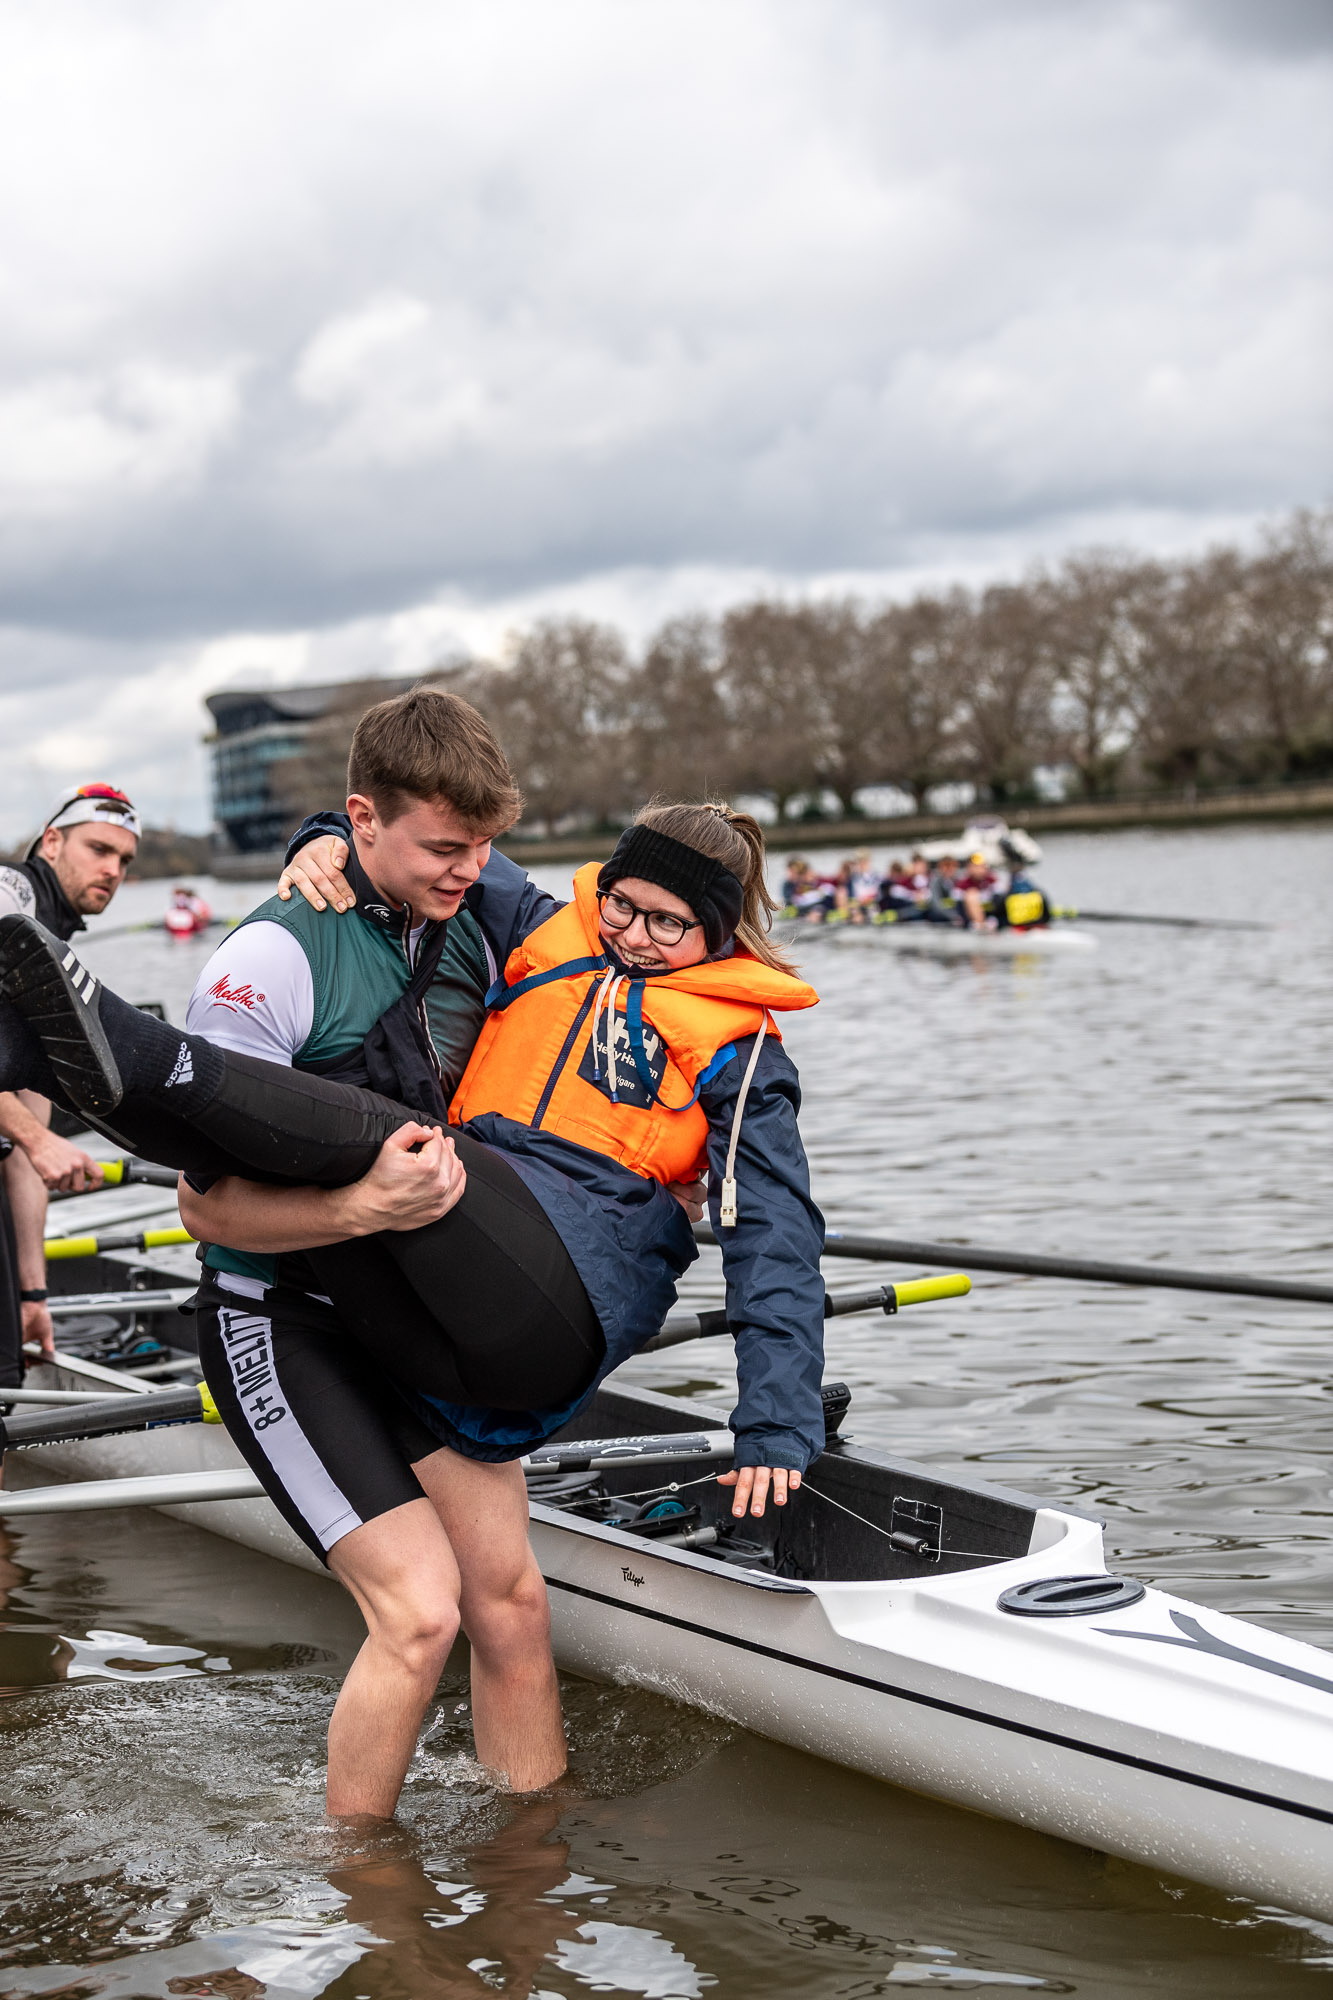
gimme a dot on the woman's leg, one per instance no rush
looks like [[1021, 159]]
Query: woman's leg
[[173, 1096], [483, 1307]]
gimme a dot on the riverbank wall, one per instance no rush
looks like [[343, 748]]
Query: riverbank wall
[[1279, 803]]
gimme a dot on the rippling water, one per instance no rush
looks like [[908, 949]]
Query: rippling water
[[1164, 1098]]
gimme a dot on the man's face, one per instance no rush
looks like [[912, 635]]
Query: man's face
[[427, 857], [90, 862]]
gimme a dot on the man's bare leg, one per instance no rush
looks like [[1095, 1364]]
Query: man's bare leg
[[516, 1719], [401, 1571]]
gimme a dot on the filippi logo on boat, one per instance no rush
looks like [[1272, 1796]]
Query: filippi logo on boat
[[234, 998]]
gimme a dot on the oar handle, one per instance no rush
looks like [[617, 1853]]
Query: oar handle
[[920, 1291], [59, 1247]]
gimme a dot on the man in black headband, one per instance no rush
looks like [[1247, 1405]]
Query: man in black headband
[[71, 871]]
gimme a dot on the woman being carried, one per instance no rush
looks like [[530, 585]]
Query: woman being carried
[[630, 1043]]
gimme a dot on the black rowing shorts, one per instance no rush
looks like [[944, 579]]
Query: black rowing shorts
[[330, 1438]]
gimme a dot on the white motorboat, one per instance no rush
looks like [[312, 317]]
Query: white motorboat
[[961, 1640]]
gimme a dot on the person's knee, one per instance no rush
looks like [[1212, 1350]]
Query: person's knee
[[420, 1635], [513, 1619]]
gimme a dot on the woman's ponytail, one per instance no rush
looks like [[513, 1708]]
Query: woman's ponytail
[[736, 839]]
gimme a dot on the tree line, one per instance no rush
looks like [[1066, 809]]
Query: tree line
[[1110, 671]]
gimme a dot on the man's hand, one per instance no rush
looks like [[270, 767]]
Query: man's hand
[[692, 1196], [751, 1483], [317, 873], [61, 1165], [38, 1329], [405, 1189]]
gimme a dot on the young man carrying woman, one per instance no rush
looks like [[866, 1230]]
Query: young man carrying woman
[[630, 1040]]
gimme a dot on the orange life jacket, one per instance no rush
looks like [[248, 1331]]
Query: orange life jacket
[[612, 1063]]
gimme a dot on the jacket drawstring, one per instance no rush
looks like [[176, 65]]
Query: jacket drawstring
[[611, 982], [727, 1211]]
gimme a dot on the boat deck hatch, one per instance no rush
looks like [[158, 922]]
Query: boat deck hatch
[[1070, 1596]]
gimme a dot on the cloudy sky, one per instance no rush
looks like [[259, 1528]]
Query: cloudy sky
[[338, 334]]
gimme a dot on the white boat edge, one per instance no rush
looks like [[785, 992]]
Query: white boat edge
[[881, 1677]]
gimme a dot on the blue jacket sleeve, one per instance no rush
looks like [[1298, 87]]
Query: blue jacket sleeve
[[312, 827], [775, 1292], [505, 901]]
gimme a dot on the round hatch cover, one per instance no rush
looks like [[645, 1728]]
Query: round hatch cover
[[1070, 1596]]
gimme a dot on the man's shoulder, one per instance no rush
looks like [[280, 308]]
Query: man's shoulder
[[17, 895]]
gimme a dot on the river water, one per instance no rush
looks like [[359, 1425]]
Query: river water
[[1167, 1098]]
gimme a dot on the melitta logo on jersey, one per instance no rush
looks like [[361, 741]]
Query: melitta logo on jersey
[[234, 998]]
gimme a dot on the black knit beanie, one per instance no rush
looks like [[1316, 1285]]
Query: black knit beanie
[[712, 891]]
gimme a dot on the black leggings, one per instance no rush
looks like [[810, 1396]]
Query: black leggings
[[482, 1307]]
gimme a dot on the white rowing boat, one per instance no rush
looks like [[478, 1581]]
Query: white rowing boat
[[960, 1640], [944, 940]]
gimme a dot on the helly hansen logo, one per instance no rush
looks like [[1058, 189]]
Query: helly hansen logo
[[629, 1088], [234, 998], [184, 1070]]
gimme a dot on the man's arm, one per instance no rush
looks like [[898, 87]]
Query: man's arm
[[27, 1206], [25, 1118], [403, 1190]]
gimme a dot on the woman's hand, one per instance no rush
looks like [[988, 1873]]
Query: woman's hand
[[692, 1196], [752, 1482], [317, 872]]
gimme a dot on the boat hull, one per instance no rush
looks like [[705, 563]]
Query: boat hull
[[888, 1706], [1133, 1731]]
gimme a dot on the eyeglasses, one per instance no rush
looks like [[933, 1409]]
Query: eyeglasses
[[662, 926]]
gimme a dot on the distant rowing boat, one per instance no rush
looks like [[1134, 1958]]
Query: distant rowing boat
[[942, 940]]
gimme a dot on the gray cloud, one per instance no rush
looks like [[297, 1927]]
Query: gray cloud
[[1277, 27], [477, 305]]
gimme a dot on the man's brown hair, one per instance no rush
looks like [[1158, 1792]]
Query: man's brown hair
[[429, 745]]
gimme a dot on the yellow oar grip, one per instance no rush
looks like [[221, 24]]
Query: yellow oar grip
[[113, 1172], [919, 1291], [71, 1246], [208, 1406], [93, 1246]]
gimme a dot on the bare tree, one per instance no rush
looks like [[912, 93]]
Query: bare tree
[[846, 698], [1008, 670], [558, 706], [1186, 683], [1284, 640], [680, 735], [915, 658], [771, 678], [1096, 635]]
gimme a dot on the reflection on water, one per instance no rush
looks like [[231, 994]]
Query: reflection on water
[[1168, 1098]]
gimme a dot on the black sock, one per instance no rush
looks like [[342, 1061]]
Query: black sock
[[158, 1061]]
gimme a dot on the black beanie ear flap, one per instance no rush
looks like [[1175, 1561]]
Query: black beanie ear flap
[[712, 891]]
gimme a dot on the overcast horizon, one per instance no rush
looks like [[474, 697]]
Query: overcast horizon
[[339, 339]]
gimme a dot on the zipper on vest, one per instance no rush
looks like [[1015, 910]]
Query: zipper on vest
[[544, 1100]]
